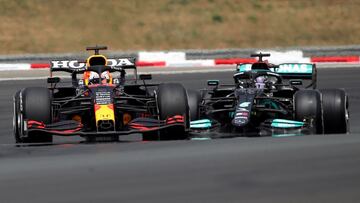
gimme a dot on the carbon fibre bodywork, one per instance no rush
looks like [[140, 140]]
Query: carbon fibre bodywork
[[97, 108], [253, 107]]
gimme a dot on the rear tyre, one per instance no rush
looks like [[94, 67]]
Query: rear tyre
[[307, 106], [36, 104], [171, 100], [336, 114], [194, 99]]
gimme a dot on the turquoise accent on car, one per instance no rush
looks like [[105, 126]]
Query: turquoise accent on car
[[244, 67], [294, 68], [287, 135], [200, 138], [283, 123], [270, 103], [213, 82], [203, 123], [285, 68]]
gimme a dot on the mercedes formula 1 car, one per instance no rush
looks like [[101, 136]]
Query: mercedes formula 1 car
[[268, 99], [101, 104]]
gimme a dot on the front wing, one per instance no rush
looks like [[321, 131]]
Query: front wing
[[271, 127], [73, 128]]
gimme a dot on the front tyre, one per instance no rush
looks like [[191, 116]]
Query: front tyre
[[194, 100], [171, 100], [33, 103], [308, 106], [336, 111]]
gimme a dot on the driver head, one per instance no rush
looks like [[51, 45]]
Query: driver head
[[260, 82]]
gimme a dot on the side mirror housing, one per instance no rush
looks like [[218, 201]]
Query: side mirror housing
[[145, 77], [53, 80], [213, 82], [295, 82]]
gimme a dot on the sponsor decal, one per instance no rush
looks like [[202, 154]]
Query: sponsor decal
[[76, 64], [103, 98], [294, 68], [67, 64]]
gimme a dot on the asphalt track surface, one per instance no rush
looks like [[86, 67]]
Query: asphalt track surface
[[319, 168]]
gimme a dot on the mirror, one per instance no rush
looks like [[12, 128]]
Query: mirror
[[213, 82], [145, 77], [295, 82], [53, 80]]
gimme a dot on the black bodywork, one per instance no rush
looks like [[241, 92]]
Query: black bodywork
[[100, 109], [248, 108]]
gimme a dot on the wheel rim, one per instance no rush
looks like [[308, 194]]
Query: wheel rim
[[347, 115]]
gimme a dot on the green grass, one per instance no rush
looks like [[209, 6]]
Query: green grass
[[40, 26]]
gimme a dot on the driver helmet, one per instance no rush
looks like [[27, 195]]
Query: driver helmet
[[90, 76], [260, 82], [105, 77]]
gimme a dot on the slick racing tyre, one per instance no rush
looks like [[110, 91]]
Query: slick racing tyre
[[171, 100], [36, 105], [17, 117], [308, 106], [335, 109], [194, 99]]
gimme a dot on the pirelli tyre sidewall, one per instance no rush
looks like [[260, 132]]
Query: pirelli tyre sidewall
[[171, 99], [34, 104], [194, 99], [336, 111], [308, 107], [16, 116]]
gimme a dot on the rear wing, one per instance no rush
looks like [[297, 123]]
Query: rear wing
[[75, 66], [303, 71]]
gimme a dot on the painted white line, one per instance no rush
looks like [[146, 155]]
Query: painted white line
[[337, 65], [27, 78], [190, 63], [14, 66]]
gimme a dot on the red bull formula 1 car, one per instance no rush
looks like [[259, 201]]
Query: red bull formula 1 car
[[100, 108], [268, 99]]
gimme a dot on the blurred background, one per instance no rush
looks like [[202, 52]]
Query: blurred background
[[43, 26]]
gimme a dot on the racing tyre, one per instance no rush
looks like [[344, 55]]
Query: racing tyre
[[16, 117], [308, 106], [194, 99], [335, 109], [171, 100], [36, 104]]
